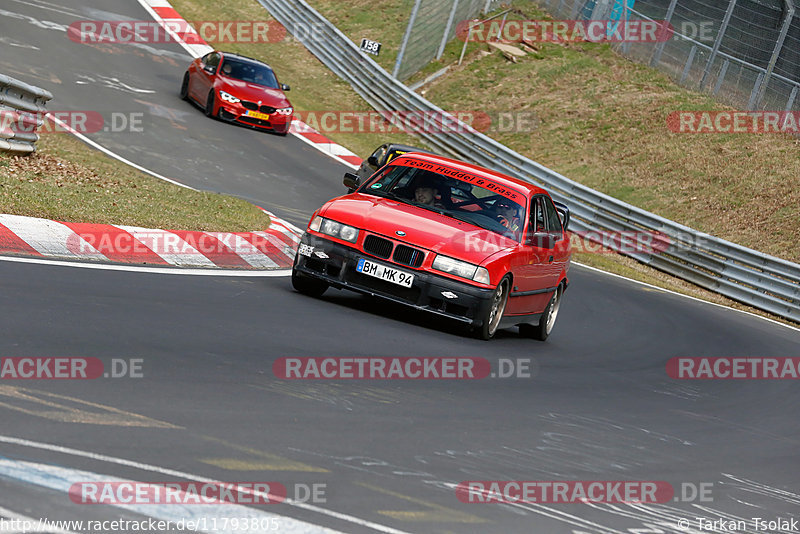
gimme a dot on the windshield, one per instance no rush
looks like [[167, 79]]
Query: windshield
[[248, 71], [490, 209]]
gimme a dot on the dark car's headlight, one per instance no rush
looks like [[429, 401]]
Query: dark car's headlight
[[461, 269], [334, 229], [227, 97]]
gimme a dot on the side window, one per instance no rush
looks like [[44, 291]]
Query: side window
[[538, 221], [212, 60], [379, 154], [553, 220]]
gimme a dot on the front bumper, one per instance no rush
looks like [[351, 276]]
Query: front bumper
[[336, 265], [277, 123]]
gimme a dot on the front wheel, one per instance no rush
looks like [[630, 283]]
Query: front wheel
[[547, 320], [185, 87], [497, 307], [308, 286], [210, 104]]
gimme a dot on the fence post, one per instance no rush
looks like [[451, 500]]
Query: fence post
[[688, 65], [717, 42], [447, 29], [787, 21], [792, 96], [721, 77], [661, 44], [751, 104], [407, 35]]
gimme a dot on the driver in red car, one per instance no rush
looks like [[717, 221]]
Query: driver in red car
[[508, 215], [425, 193]]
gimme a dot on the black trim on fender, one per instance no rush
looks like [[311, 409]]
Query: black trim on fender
[[535, 292]]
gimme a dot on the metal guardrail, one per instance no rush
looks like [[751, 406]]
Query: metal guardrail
[[22, 108], [759, 280]]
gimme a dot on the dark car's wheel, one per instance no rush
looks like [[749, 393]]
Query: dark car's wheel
[[494, 313], [308, 286], [185, 87], [210, 104], [548, 319]]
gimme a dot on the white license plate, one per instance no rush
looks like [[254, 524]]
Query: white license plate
[[384, 272]]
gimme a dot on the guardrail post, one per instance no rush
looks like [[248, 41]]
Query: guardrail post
[[448, 27], [717, 42], [661, 43], [407, 35], [787, 21]]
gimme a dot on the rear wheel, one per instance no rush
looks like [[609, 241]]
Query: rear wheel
[[495, 312], [210, 104], [185, 87], [547, 320], [308, 286]]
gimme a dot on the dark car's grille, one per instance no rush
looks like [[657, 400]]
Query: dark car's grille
[[254, 107], [378, 246], [408, 256]]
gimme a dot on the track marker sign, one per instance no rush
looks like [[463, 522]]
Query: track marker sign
[[370, 47]]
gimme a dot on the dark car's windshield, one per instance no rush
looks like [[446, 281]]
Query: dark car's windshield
[[248, 71], [448, 196]]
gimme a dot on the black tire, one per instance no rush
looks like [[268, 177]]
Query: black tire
[[185, 87], [308, 286], [548, 319], [495, 312], [210, 105]]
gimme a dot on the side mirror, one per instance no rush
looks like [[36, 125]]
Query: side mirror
[[373, 161], [350, 181], [285, 87], [208, 69], [563, 214], [541, 240]]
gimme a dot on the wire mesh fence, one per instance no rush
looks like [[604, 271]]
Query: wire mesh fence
[[745, 52], [431, 25]]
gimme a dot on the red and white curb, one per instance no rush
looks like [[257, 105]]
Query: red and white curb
[[163, 12], [273, 248]]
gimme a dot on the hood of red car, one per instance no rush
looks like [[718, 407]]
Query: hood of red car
[[423, 228], [253, 92]]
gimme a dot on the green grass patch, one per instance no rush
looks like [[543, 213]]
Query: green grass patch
[[69, 181]]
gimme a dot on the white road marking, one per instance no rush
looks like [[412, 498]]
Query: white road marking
[[239, 273], [174, 473], [49, 237], [210, 517]]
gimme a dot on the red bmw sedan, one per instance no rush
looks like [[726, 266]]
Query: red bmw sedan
[[238, 89], [444, 237]]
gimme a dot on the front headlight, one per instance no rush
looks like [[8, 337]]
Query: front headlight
[[334, 229], [284, 111], [461, 268], [227, 97]]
